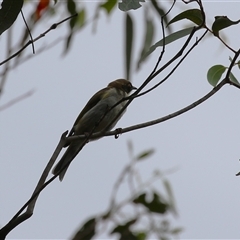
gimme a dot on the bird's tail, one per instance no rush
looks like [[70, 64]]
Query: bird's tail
[[71, 152]]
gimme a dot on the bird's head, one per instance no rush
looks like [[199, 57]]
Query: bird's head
[[123, 85]]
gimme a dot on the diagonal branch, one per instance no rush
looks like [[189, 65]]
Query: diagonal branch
[[158, 120], [54, 26], [30, 204]]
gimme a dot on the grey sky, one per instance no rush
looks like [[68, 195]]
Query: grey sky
[[203, 144]]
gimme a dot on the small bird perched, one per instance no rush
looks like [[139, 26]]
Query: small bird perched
[[95, 117]]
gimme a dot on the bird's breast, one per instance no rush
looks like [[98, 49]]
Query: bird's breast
[[101, 115]]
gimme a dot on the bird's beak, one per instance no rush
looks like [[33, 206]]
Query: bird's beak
[[134, 88]]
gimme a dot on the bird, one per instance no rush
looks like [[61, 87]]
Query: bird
[[97, 115]]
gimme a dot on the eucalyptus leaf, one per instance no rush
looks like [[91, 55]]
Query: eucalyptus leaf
[[170, 38], [128, 44], [87, 230], [8, 13], [238, 63], [222, 22], [161, 12], [194, 15], [233, 79], [148, 38], [215, 73], [109, 5], [127, 5], [145, 154], [156, 205]]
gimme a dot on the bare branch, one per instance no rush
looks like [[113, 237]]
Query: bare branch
[[16, 100], [30, 204], [29, 31], [54, 26], [173, 70], [158, 120]]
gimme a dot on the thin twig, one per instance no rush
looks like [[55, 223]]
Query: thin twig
[[6, 67], [30, 204], [173, 70], [54, 26], [16, 100], [158, 120], [151, 76], [29, 32]]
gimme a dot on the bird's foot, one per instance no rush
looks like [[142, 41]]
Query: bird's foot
[[118, 132]]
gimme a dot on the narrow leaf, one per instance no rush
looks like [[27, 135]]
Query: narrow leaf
[[149, 33], [87, 231], [127, 5], [160, 10], [194, 15], [145, 154], [81, 18], [233, 79], [222, 22], [215, 73], [238, 63], [171, 200], [122, 228], [141, 235], [68, 42], [128, 42], [71, 6], [156, 205], [169, 190], [125, 231], [176, 231], [8, 13], [109, 5], [170, 38]]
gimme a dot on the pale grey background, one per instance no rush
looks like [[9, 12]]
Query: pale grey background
[[203, 144]]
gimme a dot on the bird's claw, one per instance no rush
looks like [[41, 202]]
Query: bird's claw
[[118, 132]]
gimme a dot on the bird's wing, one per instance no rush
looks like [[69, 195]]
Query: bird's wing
[[90, 104]]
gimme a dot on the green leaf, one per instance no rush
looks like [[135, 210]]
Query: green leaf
[[194, 15], [170, 38], [73, 22], [128, 46], [238, 63], [222, 22], [121, 228], [233, 78], [169, 190], [109, 5], [176, 231], [171, 200], [149, 33], [124, 230], [87, 231], [127, 5], [71, 6], [156, 205], [141, 235], [8, 13], [68, 42], [145, 154], [81, 18], [160, 10], [215, 73]]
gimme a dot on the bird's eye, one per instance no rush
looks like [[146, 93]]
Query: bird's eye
[[128, 87]]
